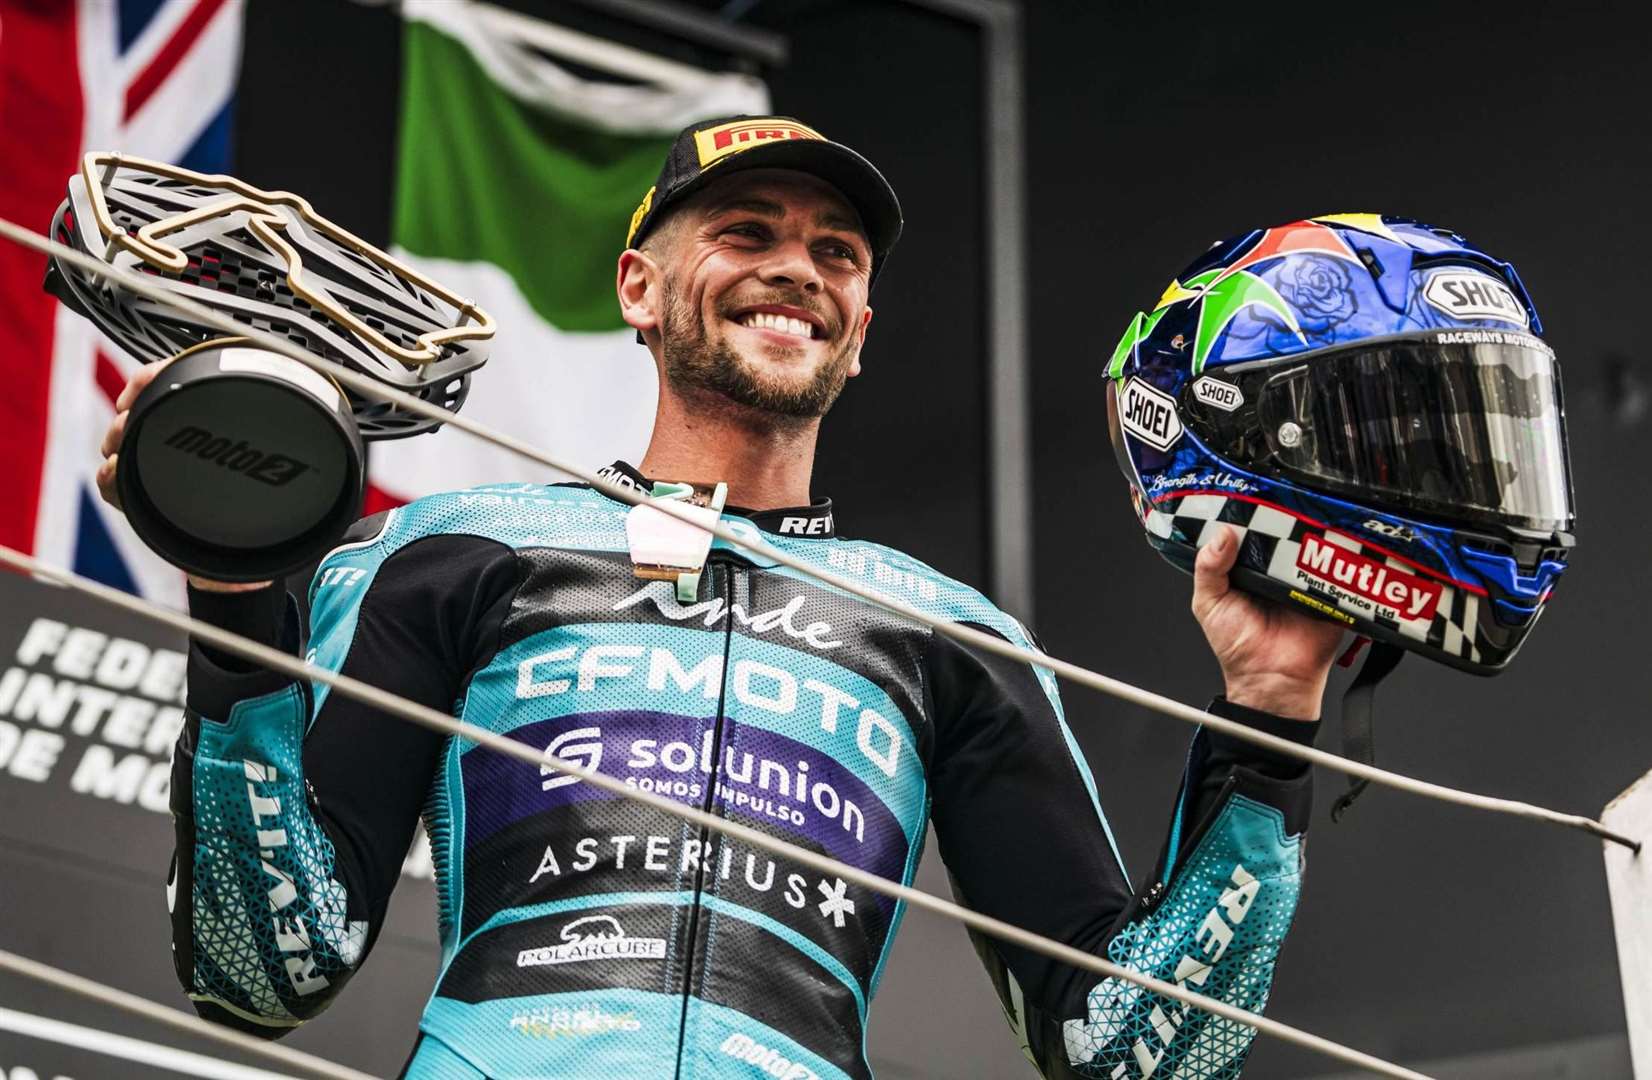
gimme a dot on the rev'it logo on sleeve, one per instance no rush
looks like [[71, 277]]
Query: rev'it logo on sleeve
[[716, 143]]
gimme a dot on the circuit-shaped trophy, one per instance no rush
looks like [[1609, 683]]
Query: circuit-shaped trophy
[[238, 463]]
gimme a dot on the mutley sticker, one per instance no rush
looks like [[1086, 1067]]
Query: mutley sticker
[[1365, 583]]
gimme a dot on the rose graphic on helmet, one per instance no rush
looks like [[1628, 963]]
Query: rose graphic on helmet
[[1318, 288]]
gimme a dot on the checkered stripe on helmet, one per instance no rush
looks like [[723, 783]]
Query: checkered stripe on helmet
[[1271, 537]]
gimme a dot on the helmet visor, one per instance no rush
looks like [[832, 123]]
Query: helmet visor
[[1463, 426]]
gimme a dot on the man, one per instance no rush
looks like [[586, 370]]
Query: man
[[584, 935]]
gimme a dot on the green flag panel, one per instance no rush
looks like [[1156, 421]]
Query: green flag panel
[[482, 176]]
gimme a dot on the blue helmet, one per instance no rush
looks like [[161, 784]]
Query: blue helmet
[[1367, 400]]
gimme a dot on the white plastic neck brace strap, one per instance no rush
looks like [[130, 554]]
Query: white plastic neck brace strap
[[667, 548]]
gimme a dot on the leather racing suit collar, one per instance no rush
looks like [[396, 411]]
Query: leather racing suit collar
[[814, 521]]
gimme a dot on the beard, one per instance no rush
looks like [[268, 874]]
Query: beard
[[696, 367]]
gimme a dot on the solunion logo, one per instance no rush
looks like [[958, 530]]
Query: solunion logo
[[569, 747]]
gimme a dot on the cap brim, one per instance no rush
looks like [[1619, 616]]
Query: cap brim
[[858, 179]]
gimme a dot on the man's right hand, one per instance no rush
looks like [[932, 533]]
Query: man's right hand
[[110, 449]]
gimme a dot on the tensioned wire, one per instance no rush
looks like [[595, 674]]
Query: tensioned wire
[[371, 387], [424, 716], [97, 1040], [185, 1022]]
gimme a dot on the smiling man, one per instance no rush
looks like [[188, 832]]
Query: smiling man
[[754, 256], [589, 936]]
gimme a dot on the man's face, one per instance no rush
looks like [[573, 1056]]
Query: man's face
[[763, 298]]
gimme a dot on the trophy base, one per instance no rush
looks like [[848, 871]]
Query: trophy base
[[239, 464]]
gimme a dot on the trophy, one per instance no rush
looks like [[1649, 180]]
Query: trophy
[[239, 463]]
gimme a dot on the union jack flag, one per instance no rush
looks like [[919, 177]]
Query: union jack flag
[[155, 78]]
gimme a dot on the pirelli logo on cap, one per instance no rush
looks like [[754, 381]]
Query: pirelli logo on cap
[[717, 143]]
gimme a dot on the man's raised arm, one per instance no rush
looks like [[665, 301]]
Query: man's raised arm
[[1024, 837]]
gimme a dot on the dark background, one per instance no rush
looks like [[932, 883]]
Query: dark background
[[1426, 931]]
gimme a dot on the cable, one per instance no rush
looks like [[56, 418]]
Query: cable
[[99, 1041], [968, 635], [193, 1025], [424, 716]]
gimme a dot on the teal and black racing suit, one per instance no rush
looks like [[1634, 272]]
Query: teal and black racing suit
[[673, 953]]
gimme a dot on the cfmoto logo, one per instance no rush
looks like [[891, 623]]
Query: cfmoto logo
[[276, 470], [569, 747]]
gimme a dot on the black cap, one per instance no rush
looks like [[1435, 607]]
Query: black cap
[[711, 148]]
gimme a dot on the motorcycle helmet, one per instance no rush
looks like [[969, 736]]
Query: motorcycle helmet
[[1369, 402]]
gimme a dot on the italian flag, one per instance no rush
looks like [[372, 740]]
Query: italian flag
[[516, 180]]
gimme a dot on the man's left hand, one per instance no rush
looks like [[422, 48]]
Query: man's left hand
[[1272, 658]]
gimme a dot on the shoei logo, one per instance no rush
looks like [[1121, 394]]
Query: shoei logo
[[718, 142], [1395, 593], [1218, 394], [276, 470], [595, 937], [1464, 294], [581, 746], [765, 1060], [1149, 414]]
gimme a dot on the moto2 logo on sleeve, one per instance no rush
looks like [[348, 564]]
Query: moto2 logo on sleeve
[[1117, 1008], [1149, 414], [1464, 294]]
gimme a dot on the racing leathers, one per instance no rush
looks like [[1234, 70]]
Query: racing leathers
[[584, 934]]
